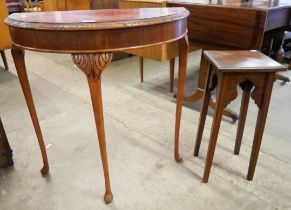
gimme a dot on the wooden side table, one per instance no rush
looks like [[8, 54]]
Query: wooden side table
[[255, 73], [90, 36]]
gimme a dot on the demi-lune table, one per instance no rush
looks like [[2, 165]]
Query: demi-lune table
[[91, 37]]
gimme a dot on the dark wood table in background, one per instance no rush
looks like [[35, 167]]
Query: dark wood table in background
[[234, 24], [91, 37]]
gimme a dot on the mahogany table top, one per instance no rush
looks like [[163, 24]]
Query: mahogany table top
[[96, 19], [91, 31]]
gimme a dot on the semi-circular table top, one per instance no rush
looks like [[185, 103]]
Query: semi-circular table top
[[96, 19], [95, 31]]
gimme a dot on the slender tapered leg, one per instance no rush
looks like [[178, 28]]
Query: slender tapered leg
[[4, 59], [183, 59], [93, 65], [18, 57], [141, 68], [220, 104], [260, 126], [204, 108], [242, 116], [202, 119], [172, 71]]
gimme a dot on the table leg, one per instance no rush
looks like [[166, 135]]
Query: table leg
[[222, 100], [246, 87], [183, 59], [204, 109], [172, 72], [18, 57], [199, 94], [93, 65], [261, 121], [141, 68]]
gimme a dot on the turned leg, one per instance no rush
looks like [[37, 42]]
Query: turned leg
[[141, 68], [93, 65], [242, 116], [4, 59], [18, 57], [220, 104], [183, 58], [261, 120], [172, 71]]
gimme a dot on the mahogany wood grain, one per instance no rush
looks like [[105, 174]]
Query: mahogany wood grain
[[204, 107], [260, 125], [90, 36], [232, 24], [226, 70], [18, 57], [172, 71], [183, 54], [93, 73], [244, 60], [246, 87]]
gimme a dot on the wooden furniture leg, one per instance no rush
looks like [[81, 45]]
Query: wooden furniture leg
[[141, 68], [171, 67], [222, 87], [18, 57], [93, 65], [5, 150], [260, 126], [203, 113], [228, 71], [172, 72], [202, 119], [4, 59], [183, 59], [246, 87]]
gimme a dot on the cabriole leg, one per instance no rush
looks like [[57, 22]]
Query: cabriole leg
[[93, 65], [18, 57], [183, 58]]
